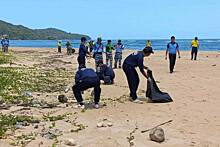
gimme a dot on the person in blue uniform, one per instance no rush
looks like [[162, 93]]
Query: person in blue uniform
[[105, 73], [131, 62], [86, 78], [119, 47], [98, 50], [172, 49], [83, 52], [5, 44]]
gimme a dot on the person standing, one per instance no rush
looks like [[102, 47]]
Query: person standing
[[5, 44], [109, 58], [86, 78], [83, 51], [98, 51], [59, 45], [195, 47], [172, 49], [119, 47], [148, 44], [91, 45], [131, 62]]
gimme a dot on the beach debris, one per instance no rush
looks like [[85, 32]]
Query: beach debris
[[167, 122], [70, 142], [62, 98], [20, 125], [104, 123], [157, 135], [130, 138], [35, 103], [27, 94], [214, 65], [51, 134]]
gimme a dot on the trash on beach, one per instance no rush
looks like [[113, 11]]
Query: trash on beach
[[157, 135], [27, 94], [154, 93]]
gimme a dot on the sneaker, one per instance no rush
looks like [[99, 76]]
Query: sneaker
[[80, 106], [96, 106], [137, 101]]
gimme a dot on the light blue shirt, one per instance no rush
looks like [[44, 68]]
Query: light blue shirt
[[98, 48], [172, 47], [119, 48]]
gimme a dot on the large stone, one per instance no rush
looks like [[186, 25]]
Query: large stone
[[157, 135]]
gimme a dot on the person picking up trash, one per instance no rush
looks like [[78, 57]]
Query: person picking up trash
[[131, 62]]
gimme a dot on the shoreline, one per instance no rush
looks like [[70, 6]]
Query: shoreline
[[126, 49]]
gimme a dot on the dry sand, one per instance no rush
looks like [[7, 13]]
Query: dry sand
[[194, 86]]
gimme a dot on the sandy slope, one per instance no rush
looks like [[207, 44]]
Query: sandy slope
[[194, 86]]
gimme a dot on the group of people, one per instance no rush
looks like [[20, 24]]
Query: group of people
[[5, 43], [89, 78], [69, 48]]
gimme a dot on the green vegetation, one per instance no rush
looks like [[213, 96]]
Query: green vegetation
[[9, 122], [5, 58], [19, 32], [48, 117], [15, 81]]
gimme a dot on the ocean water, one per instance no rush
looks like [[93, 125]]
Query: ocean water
[[205, 44]]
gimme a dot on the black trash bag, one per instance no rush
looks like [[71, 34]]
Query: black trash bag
[[154, 93]]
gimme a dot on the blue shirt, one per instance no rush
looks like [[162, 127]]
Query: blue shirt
[[107, 71], [135, 60], [98, 48], [5, 42], [85, 73], [172, 47], [83, 50], [119, 48]]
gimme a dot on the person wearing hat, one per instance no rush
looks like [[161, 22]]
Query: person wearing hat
[[119, 47], [86, 78], [172, 49], [98, 51], [131, 62], [195, 47], [59, 45], [83, 52]]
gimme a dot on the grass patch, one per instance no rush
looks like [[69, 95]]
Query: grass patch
[[15, 81], [5, 58], [49, 117], [9, 122]]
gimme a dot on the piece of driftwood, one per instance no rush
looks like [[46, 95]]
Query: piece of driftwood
[[144, 131]]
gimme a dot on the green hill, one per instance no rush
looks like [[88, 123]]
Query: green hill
[[19, 32]]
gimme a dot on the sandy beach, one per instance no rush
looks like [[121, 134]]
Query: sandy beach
[[194, 87]]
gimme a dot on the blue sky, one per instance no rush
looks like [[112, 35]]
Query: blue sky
[[124, 19]]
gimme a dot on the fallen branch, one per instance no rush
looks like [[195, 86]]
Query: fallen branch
[[157, 126]]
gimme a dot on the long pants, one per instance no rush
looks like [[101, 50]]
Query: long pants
[[59, 49], [81, 61], [69, 51], [98, 58], [109, 59], [133, 80], [194, 53], [84, 85], [118, 58], [172, 58], [5, 49]]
